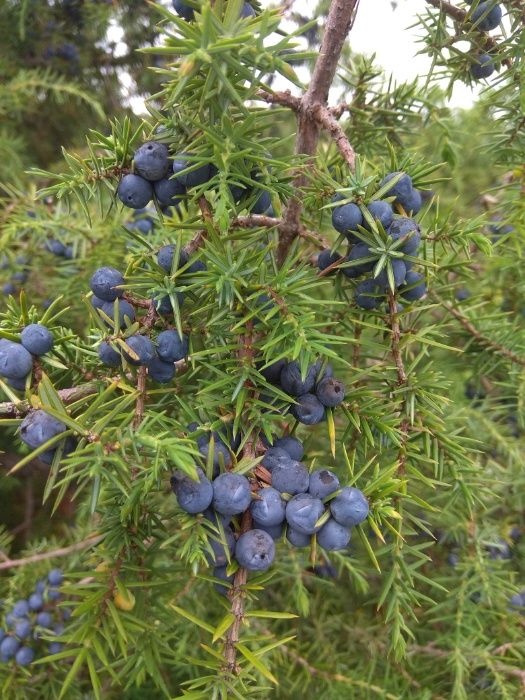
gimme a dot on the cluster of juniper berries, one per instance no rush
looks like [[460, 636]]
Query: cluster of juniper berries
[[404, 237], [32, 619]]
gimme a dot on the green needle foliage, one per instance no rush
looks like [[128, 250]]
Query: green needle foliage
[[431, 428]]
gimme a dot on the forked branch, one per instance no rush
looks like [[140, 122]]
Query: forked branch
[[339, 22]]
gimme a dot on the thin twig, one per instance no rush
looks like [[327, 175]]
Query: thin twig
[[331, 268], [206, 211], [236, 594], [196, 242], [402, 379], [256, 221], [395, 339], [449, 9], [61, 552], [480, 337], [317, 238], [338, 111], [136, 301], [37, 371], [11, 409], [337, 677], [262, 221], [489, 43]]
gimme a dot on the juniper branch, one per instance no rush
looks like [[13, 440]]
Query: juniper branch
[[11, 409], [237, 595], [402, 378], [489, 43], [339, 23], [256, 221], [284, 98], [323, 115], [328, 121], [337, 677], [90, 541], [480, 337], [237, 592], [260, 220], [450, 9]]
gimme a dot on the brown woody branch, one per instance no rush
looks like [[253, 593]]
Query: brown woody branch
[[338, 111], [198, 240], [340, 19], [449, 9], [402, 379], [237, 593], [136, 301], [317, 238], [206, 211], [19, 409], [256, 221], [395, 340], [331, 268], [327, 120], [109, 173], [324, 116], [260, 220], [284, 99], [62, 552]]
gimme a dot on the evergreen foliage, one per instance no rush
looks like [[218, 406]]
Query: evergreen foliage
[[224, 344]]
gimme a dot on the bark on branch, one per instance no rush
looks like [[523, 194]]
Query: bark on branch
[[324, 116], [237, 593], [11, 409], [449, 9], [402, 378], [327, 120], [62, 552], [338, 24]]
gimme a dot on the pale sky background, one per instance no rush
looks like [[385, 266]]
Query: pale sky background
[[379, 29]]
